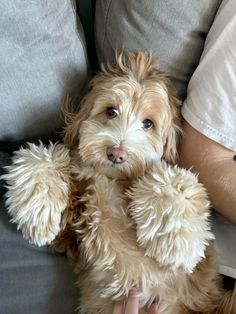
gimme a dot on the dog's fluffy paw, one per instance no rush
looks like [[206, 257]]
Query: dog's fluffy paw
[[38, 190], [170, 210]]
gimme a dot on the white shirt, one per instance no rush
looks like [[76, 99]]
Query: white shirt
[[210, 106]]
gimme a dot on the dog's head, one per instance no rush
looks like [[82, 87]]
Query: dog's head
[[128, 120]]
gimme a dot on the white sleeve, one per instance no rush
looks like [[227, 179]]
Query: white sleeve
[[210, 106]]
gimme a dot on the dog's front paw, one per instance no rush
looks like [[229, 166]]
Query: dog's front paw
[[170, 210], [38, 190]]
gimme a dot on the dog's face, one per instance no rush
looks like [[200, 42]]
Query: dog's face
[[128, 119]]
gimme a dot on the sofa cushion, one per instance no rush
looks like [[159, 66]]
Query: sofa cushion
[[174, 30], [33, 280], [42, 57], [225, 234]]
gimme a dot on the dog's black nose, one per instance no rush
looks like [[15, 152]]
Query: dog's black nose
[[116, 154]]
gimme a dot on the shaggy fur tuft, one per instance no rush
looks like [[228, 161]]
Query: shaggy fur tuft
[[38, 190], [170, 210], [114, 201]]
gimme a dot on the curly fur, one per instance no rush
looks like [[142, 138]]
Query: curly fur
[[38, 190], [169, 204], [139, 224]]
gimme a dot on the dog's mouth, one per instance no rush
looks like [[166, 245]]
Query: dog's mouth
[[117, 164]]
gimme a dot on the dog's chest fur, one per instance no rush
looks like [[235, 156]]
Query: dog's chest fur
[[112, 260]]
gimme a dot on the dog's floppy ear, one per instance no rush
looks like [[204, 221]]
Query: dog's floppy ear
[[73, 120], [173, 129]]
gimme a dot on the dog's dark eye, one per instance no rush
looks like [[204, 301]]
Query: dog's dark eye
[[111, 112], [147, 124]]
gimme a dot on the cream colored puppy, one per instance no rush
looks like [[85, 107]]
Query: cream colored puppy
[[113, 200]]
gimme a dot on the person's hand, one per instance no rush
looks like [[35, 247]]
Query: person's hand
[[131, 306]]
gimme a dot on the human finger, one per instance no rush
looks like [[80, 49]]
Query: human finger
[[132, 304], [118, 307], [153, 309]]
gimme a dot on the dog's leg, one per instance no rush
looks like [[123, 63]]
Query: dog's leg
[[90, 300], [38, 190], [170, 210], [202, 291]]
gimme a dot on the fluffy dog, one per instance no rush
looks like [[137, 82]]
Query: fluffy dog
[[112, 198]]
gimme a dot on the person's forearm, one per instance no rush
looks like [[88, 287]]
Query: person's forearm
[[216, 167]]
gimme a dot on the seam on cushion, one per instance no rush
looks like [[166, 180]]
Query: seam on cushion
[[79, 28], [208, 127], [106, 22]]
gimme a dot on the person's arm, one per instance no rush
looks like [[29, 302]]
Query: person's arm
[[216, 166]]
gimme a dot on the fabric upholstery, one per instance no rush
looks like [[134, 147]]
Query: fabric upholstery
[[174, 30], [42, 57]]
